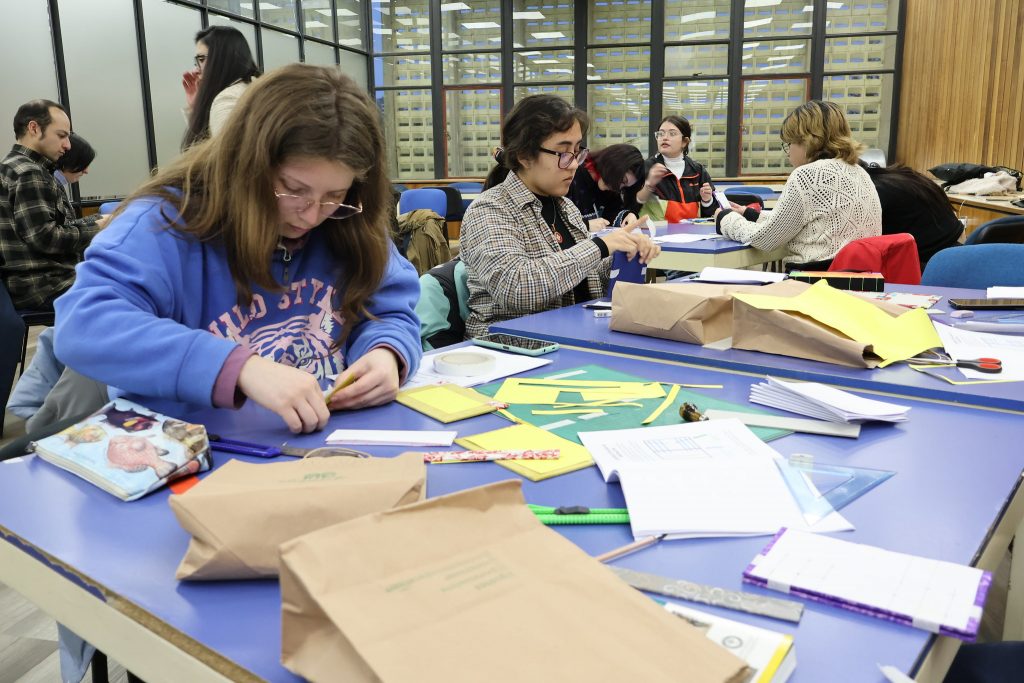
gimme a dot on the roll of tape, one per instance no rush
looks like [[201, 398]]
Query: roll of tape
[[463, 363]]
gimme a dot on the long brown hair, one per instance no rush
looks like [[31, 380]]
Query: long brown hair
[[224, 188]]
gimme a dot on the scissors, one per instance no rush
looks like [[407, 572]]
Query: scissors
[[219, 443], [987, 365]]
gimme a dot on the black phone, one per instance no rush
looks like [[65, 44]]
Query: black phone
[[987, 304], [599, 305], [514, 344]]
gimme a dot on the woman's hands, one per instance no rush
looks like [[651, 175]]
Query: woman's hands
[[190, 82], [632, 243], [376, 381], [293, 394]]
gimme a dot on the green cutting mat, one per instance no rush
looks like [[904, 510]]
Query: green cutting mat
[[625, 417]]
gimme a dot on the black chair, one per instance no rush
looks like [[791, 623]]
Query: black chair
[[12, 331], [745, 198], [30, 318], [1008, 230]]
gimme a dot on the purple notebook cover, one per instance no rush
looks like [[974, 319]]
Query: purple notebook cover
[[969, 634]]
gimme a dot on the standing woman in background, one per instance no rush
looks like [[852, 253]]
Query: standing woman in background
[[672, 175], [224, 69], [604, 188]]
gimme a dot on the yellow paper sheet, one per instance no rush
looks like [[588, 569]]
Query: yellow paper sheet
[[444, 399], [635, 390], [568, 411], [523, 437], [586, 383], [526, 391], [892, 339], [512, 392]]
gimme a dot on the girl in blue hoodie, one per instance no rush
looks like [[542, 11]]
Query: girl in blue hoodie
[[255, 265]]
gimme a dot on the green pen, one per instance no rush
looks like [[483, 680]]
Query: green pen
[[579, 514]]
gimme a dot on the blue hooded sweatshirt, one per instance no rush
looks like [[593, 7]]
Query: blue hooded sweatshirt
[[154, 315]]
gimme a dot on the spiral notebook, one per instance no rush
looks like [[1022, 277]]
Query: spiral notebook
[[933, 595]]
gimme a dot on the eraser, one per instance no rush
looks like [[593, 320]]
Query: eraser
[[598, 313], [962, 314]]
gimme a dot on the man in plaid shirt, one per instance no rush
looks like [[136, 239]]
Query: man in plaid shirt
[[40, 238]]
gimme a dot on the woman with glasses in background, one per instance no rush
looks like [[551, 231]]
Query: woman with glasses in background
[[673, 176], [828, 200], [211, 285], [224, 69], [526, 247], [604, 189]]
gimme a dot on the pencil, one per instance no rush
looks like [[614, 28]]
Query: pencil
[[344, 383], [628, 548]]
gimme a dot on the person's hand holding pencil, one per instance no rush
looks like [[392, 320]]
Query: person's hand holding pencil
[[372, 380]]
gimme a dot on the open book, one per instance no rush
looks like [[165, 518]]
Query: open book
[[128, 450]]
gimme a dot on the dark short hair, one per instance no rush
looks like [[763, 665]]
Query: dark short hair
[[532, 120], [615, 161], [78, 158], [36, 110], [683, 125]]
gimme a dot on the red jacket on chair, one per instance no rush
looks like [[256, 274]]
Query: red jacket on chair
[[894, 256]]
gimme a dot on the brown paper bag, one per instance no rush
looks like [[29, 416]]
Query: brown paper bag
[[471, 587], [692, 313], [786, 333], [240, 514]]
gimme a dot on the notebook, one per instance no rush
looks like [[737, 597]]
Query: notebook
[[128, 450], [933, 595]]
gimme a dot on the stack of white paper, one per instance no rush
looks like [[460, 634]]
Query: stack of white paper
[[390, 437], [700, 479], [824, 402], [738, 276]]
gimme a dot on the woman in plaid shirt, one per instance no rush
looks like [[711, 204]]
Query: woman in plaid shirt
[[526, 247]]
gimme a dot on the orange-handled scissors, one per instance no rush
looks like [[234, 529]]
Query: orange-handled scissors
[[987, 365]]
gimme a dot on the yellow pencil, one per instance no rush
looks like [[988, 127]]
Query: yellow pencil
[[628, 548], [338, 387]]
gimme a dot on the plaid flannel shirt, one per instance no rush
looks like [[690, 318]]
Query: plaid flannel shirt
[[514, 263], [40, 238]]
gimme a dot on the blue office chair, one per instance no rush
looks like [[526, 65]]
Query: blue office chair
[[424, 198], [1006, 230], [977, 266], [453, 203], [29, 318], [760, 190], [468, 188]]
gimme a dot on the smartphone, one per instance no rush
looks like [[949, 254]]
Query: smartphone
[[514, 344], [723, 201], [989, 304], [599, 305]]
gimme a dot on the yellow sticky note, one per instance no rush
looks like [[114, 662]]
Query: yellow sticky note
[[892, 339], [527, 437]]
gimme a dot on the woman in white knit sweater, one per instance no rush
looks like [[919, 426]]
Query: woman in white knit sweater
[[828, 200]]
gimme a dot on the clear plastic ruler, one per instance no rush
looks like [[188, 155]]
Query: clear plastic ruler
[[820, 489]]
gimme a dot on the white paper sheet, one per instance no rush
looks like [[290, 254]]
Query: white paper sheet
[[391, 437], [699, 479], [968, 344], [1005, 293], [682, 238], [506, 364]]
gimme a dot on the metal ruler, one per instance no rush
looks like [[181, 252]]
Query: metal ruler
[[777, 608]]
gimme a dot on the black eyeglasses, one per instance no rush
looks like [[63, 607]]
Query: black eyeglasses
[[336, 210], [785, 147], [565, 159]]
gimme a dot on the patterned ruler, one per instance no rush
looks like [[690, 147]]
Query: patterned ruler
[[740, 601]]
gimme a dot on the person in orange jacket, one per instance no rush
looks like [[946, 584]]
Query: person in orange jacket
[[672, 175]]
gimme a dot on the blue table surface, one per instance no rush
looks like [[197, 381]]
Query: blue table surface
[[956, 472], [577, 326]]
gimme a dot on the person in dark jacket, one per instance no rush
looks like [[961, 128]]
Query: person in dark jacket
[[672, 175], [605, 186], [912, 203]]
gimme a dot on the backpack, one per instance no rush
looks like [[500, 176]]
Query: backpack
[[442, 307], [954, 174], [421, 239]]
